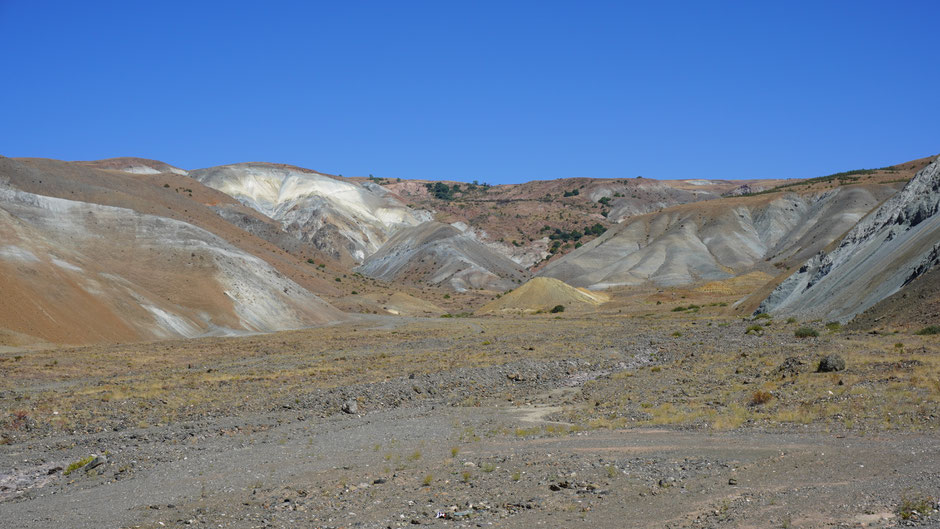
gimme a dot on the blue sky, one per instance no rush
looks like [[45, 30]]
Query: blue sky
[[491, 91]]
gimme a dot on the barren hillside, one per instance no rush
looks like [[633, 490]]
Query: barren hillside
[[341, 218], [76, 271]]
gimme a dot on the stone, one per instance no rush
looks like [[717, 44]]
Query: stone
[[351, 407], [94, 463], [790, 367]]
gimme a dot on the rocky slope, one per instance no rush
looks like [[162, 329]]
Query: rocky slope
[[438, 253], [346, 220], [76, 271], [916, 305], [887, 250], [717, 239]]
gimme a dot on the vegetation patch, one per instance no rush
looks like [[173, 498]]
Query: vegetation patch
[[914, 503], [806, 332], [78, 464], [760, 397], [754, 329]]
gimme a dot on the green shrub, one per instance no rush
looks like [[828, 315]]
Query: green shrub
[[77, 465], [754, 329], [557, 308], [930, 329], [806, 332]]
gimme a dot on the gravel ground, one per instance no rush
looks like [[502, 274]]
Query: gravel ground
[[478, 445]]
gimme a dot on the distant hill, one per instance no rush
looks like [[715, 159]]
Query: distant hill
[[136, 249], [544, 294]]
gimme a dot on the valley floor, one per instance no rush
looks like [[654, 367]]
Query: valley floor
[[663, 419]]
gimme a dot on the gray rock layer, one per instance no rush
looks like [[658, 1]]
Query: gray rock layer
[[711, 241], [442, 254], [886, 250]]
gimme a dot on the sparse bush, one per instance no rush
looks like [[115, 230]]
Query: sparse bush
[[791, 319], [754, 329], [426, 482], [831, 363], [930, 329], [557, 308], [19, 420], [834, 326], [806, 332], [760, 397], [763, 316], [914, 503]]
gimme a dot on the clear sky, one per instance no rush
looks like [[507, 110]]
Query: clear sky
[[493, 91]]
